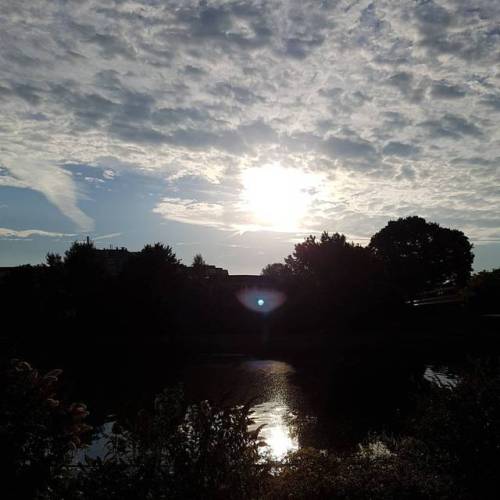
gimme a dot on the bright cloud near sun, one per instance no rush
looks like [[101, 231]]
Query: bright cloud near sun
[[278, 198]]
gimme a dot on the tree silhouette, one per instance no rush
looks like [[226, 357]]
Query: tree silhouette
[[483, 292], [331, 279], [158, 255], [421, 255], [150, 285], [278, 273], [317, 258], [53, 260], [198, 261], [87, 282]]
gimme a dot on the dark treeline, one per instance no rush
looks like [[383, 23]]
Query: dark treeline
[[328, 283]]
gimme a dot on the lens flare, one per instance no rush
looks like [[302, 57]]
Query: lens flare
[[263, 300]]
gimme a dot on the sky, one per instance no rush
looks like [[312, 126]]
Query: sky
[[236, 128]]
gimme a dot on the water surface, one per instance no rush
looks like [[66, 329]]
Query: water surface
[[326, 406]]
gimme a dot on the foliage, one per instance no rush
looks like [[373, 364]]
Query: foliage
[[149, 288], [483, 291], [158, 255], [382, 469], [198, 261], [314, 257], [332, 261], [81, 257], [277, 272], [178, 451], [175, 450], [462, 424], [329, 280], [53, 260], [38, 431], [422, 255]]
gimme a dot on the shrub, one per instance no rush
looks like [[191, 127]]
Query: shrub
[[381, 470], [178, 451], [38, 431], [461, 424]]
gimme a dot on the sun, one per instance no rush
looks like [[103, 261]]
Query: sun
[[277, 197]]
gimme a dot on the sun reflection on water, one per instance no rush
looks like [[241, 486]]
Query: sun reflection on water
[[278, 432], [274, 412]]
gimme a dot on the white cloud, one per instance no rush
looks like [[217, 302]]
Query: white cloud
[[55, 183], [27, 233], [191, 212], [109, 174], [106, 236]]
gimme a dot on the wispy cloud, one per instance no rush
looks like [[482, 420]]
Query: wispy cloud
[[55, 183], [191, 212], [106, 236], [27, 233]]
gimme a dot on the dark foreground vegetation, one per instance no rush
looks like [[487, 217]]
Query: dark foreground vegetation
[[448, 449]]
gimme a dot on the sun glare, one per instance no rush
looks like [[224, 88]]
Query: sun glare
[[277, 197]]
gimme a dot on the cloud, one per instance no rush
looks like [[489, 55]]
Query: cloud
[[191, 212], [457, 30], [109, 174], [26, 233], [406, 173], [452, 126], [492, 101], [444, 91], [399, 149], [106, 236], [350, 148], [55, 183], [134, 134]]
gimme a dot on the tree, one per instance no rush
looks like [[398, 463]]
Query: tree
[[277, 272], [331, 260], [198, 261], [53, 260], [87, 284], [150, 286], [421, 255], [159, 255], [483, 292], [81, 257], [316, 258], [333, 279]]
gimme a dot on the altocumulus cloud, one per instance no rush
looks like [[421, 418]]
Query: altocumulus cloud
[[395, 102]]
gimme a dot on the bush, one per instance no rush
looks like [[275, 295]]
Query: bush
[[177, 451], [381, 470], [38, 431], [461, 425]]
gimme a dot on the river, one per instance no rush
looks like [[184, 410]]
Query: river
[[297, 404]]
